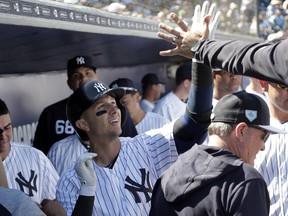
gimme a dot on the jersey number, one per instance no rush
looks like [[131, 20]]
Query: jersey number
[[64, 127]]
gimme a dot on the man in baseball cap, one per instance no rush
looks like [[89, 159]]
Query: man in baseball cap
[[218, 177], [245, 107], [53, 124], [151, 91], [86, 96], [79, 61]]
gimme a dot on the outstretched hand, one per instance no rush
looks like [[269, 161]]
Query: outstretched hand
[[204, 25]]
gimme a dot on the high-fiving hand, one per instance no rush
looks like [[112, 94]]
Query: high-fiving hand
[[204, 25]]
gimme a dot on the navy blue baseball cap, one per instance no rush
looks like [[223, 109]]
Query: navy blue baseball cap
[[79, 61], [85, 96], [150, 79], [244, 107], [125, 83]]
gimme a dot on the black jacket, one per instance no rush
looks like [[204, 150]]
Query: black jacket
[[264, 61], [210, 181]]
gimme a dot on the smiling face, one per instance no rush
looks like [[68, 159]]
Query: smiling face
[[102, 119], [80, 76], [6, 134]]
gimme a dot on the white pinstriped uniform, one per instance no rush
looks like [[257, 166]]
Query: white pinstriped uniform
[[30, 171], [170, 107], [65, 152], [127, 188], [272, 163], [146, 105], [150, 121]]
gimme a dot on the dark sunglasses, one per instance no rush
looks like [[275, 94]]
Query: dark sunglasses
[[282, 87], [266, 134]]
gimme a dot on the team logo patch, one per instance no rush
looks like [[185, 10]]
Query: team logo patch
[[251, 115], [80, 61], [27, 185], [136, 188], [115, 85], [100, 87]]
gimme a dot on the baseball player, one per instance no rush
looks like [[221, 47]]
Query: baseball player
[[127, 168], [272, 163], [144, 121], [27, 168], [53, 124], [173, 104], [259, 60]]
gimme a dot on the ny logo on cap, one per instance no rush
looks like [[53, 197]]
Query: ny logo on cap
[[99, 87], [251, 115], [80, 60], [115, 85]]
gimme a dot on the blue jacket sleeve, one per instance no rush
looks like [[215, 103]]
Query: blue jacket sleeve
[[192, 127]]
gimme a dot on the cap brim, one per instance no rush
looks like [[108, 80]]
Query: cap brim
[[272, 130], [129, 89], [117, 92]]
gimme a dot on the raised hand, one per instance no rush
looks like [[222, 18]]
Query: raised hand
[[85, 171], [204, 25]]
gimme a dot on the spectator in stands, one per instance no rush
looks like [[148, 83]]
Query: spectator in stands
[[265, 27], [27, 168], [173, 104], [53, 124], [144, 121], [151, 91], [277, 21]]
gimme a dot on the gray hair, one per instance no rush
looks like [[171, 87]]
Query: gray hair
[[221, 129]]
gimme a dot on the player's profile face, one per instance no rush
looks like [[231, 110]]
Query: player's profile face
[[278, 96], [6, 133]]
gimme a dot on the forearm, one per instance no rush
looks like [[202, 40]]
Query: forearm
[[260, 60], [192, 127], [84, 206]]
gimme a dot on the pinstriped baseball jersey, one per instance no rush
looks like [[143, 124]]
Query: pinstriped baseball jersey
[[170, 107], [64, 152], [150, 121], [272, 163], [125, 189], [30, 171]]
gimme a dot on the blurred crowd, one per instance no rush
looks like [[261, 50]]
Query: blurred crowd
[[238, 16]]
